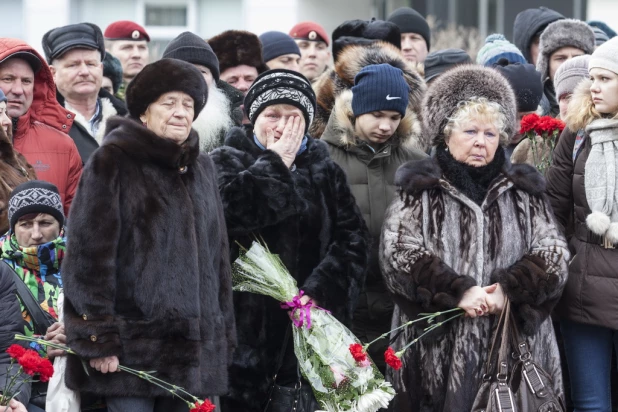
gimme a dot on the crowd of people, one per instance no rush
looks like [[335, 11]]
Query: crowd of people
[[391, 179]]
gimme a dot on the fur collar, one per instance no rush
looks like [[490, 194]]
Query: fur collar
[[340, 128], [141, 143], [420, 175], [242, 139], [107, 111], [351, 60]]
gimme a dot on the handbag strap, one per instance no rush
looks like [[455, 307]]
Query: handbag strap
[[494, 348], [41, 319]]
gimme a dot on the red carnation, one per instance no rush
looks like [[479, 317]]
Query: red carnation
[[45, 370], [16, 351], [30, 361], [358, 353], [392, 360], [205, 406], [528, 122]]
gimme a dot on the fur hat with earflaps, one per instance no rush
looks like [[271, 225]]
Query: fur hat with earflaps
[[563, 33], [460, 84], [237, 47]]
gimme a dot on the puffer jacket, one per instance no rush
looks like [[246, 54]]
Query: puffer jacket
[[41, 134], [591, 293], [371, 175]]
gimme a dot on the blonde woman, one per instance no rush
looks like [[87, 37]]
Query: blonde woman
[[581, 188], [467, 230]]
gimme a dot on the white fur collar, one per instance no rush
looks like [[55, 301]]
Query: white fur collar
[[107, 111]]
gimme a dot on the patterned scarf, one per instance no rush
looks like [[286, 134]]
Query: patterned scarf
[[39, 268]]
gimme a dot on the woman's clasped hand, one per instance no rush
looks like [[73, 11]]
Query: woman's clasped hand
[[482, 301]]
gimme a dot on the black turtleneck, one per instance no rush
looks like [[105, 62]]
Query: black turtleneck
[[469, 180]]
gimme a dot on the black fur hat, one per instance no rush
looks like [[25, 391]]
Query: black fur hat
[[163, 76], [459, 85], [363, 32], [237, 47]]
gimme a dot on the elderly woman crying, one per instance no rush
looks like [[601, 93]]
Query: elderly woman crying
[[147, 272], [468, 231]]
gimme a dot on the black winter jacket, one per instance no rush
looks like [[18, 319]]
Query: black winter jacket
[[308, 217]]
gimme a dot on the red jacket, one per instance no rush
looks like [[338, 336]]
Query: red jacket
[[42, 133]]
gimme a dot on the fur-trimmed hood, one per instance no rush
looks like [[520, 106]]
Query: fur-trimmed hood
[[340, 78], [420, 175], [340, 129]]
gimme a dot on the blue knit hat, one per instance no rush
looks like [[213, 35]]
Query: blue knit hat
[[379, 87], [498, 47], [276, 43]]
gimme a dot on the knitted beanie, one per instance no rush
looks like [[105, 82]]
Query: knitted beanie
[[600, 36], [379, 87], [281, 86], [570, 73], [193, 49], [526, 83], [498, 47], [605, 56], [35, 196], [563, 33], [603, 26], [276, 43], [113, 70], [411, 21]]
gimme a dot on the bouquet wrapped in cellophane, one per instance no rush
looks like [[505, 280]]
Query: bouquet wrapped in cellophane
[[321, 343]]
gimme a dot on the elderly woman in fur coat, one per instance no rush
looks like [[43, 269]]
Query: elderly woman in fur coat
[[469, 230], [280, 185], [370, 136], [582, 190], [147, 273]]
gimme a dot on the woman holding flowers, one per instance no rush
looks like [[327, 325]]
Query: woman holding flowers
[[147, 272], [468, 230], [280, 186], [582, 191]]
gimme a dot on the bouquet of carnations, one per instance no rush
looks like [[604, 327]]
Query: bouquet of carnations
[[321, 343], [29, 364], [542, 133]]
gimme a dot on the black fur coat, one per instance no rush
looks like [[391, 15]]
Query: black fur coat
[[310, 219], [147, 273]]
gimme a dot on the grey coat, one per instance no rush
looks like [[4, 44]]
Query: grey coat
[[436, 243]]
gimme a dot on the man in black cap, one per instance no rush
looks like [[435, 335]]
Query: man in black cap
[[75, 54], [415, 33], [222, 110]]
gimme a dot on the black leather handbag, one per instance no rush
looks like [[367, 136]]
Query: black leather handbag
[[526, 387], [290, 399]]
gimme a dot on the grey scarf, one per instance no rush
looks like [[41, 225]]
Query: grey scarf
[[601, 179]]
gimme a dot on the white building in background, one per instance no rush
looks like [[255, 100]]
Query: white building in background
[[164, 19]]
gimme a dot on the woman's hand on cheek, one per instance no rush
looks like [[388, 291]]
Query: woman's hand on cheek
[[289, 143]]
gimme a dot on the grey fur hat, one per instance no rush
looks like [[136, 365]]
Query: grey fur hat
[[461, 84], [563, 33]]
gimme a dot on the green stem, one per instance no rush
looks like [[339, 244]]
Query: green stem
[[145, 376], [153, 379], [424, 316], [45, 343], [428, 330]]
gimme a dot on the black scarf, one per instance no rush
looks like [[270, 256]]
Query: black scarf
[[472, 181]]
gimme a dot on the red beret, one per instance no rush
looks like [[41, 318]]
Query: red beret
[[309, 30], [125, 30]]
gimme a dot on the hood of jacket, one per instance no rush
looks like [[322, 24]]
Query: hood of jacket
[[351, 61], [340, 130], [45, 108], [530, 22]]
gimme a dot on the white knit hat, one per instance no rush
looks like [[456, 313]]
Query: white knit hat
[[606, 56]]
